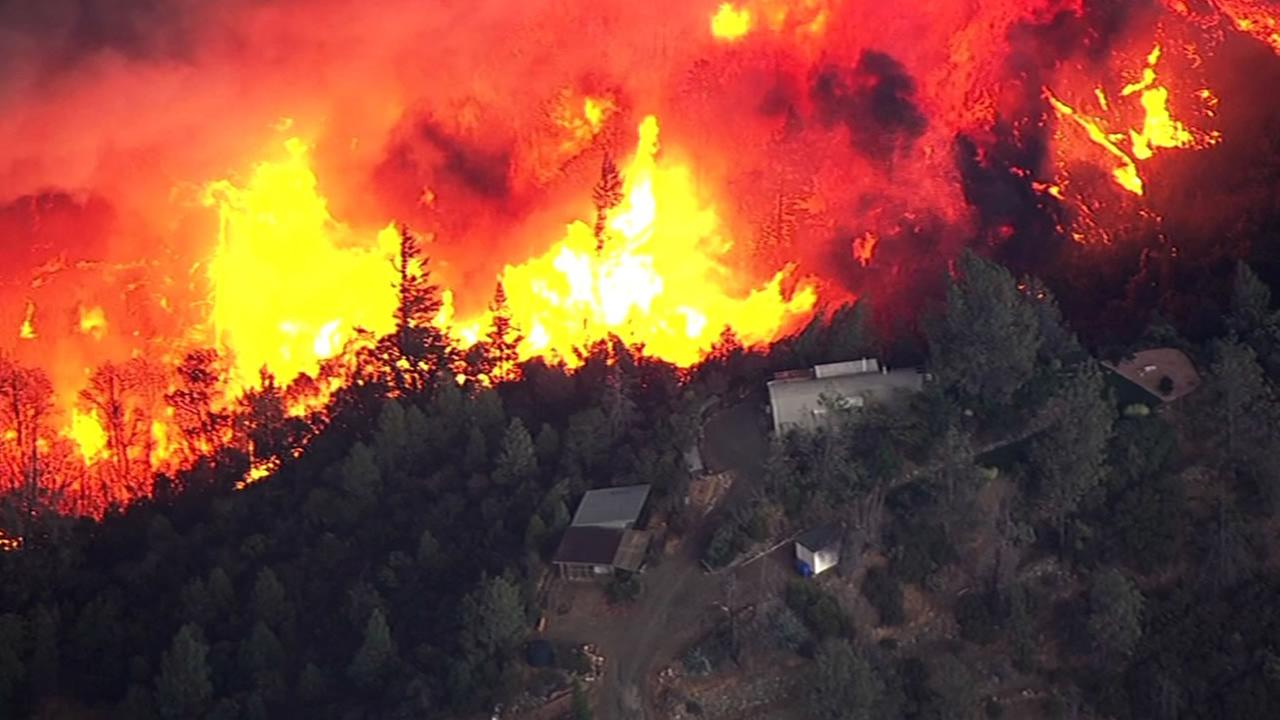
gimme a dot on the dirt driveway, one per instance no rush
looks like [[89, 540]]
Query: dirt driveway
[[679, 601]]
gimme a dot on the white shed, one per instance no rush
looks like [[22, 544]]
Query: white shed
[[818, 550]]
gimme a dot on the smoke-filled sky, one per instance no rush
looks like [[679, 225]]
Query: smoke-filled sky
[[924, 124]]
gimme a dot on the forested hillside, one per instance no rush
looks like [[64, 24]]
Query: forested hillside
[[1118, 552]]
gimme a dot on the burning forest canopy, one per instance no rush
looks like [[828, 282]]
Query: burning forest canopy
[[191, 193]]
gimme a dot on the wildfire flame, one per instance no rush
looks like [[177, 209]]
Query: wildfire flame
[[89, 436], [93, 322], [28, 329], [658, 281], [733, 22], [864, 247], [1158, 129], [730, 22], [289, 282]]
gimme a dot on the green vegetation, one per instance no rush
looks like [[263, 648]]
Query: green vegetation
[[1118, 558]]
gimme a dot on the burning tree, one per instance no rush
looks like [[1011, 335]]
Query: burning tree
[[126, 401], [496, 358], [201, 385], [606, 195], [418, 348], [31, 459]]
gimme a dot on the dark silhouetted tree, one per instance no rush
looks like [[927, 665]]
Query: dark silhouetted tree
[[201, 385], [606, 195], [985, 345], [517, 461], [183, 686], [843, 684], [376, 656], [1115, 614], [1069, 459]]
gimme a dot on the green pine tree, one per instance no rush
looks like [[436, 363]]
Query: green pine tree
[[183, 686]]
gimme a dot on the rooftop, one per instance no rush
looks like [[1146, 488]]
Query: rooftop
[[1148, 368], [821, 538], [797, 401], [589, 546], [611, 506]]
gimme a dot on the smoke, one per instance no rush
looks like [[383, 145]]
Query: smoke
[[927, 128], [875, 101]]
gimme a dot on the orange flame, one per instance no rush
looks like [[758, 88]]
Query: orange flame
[[659, 281], [864, 247], [1159, 129]]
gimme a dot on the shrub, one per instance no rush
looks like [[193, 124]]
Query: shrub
[[819, 610], [885, 595], [977, 620], [623, 588]]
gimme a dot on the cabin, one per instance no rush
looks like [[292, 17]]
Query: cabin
[[818, 550], [602, 538], [804, 399]]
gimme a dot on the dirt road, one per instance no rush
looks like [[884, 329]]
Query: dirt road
[[678, 602]]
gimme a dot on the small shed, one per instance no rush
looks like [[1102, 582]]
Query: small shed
[[818, 550]]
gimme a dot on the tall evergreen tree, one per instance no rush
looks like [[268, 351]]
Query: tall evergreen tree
[[183, 686], [376, 655], [418, 349], [984, 347], [1115, 613], [518, 461], [606, 195], [1069, 459], [502, 344]]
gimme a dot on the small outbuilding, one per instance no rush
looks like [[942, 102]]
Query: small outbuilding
[[818, 550]]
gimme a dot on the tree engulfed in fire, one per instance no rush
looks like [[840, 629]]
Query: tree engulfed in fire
[[176, 290]]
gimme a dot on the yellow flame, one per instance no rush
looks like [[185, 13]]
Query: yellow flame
[[28, 329], [89, 436], [93, 322], [1159, 129], [659, 280], [160, 444], [1126, 174], [730, 22], [289, 282]]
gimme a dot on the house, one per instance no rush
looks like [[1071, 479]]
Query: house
[[803, 398], [818, 550], [590, 552], [1155, 375], [615, 507], [602, 539]]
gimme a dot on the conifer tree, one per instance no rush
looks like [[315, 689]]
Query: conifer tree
[[376, 654], [606, 195], [183, 687]]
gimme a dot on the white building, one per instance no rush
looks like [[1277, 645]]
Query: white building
[[818, 550], [801, 399]]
